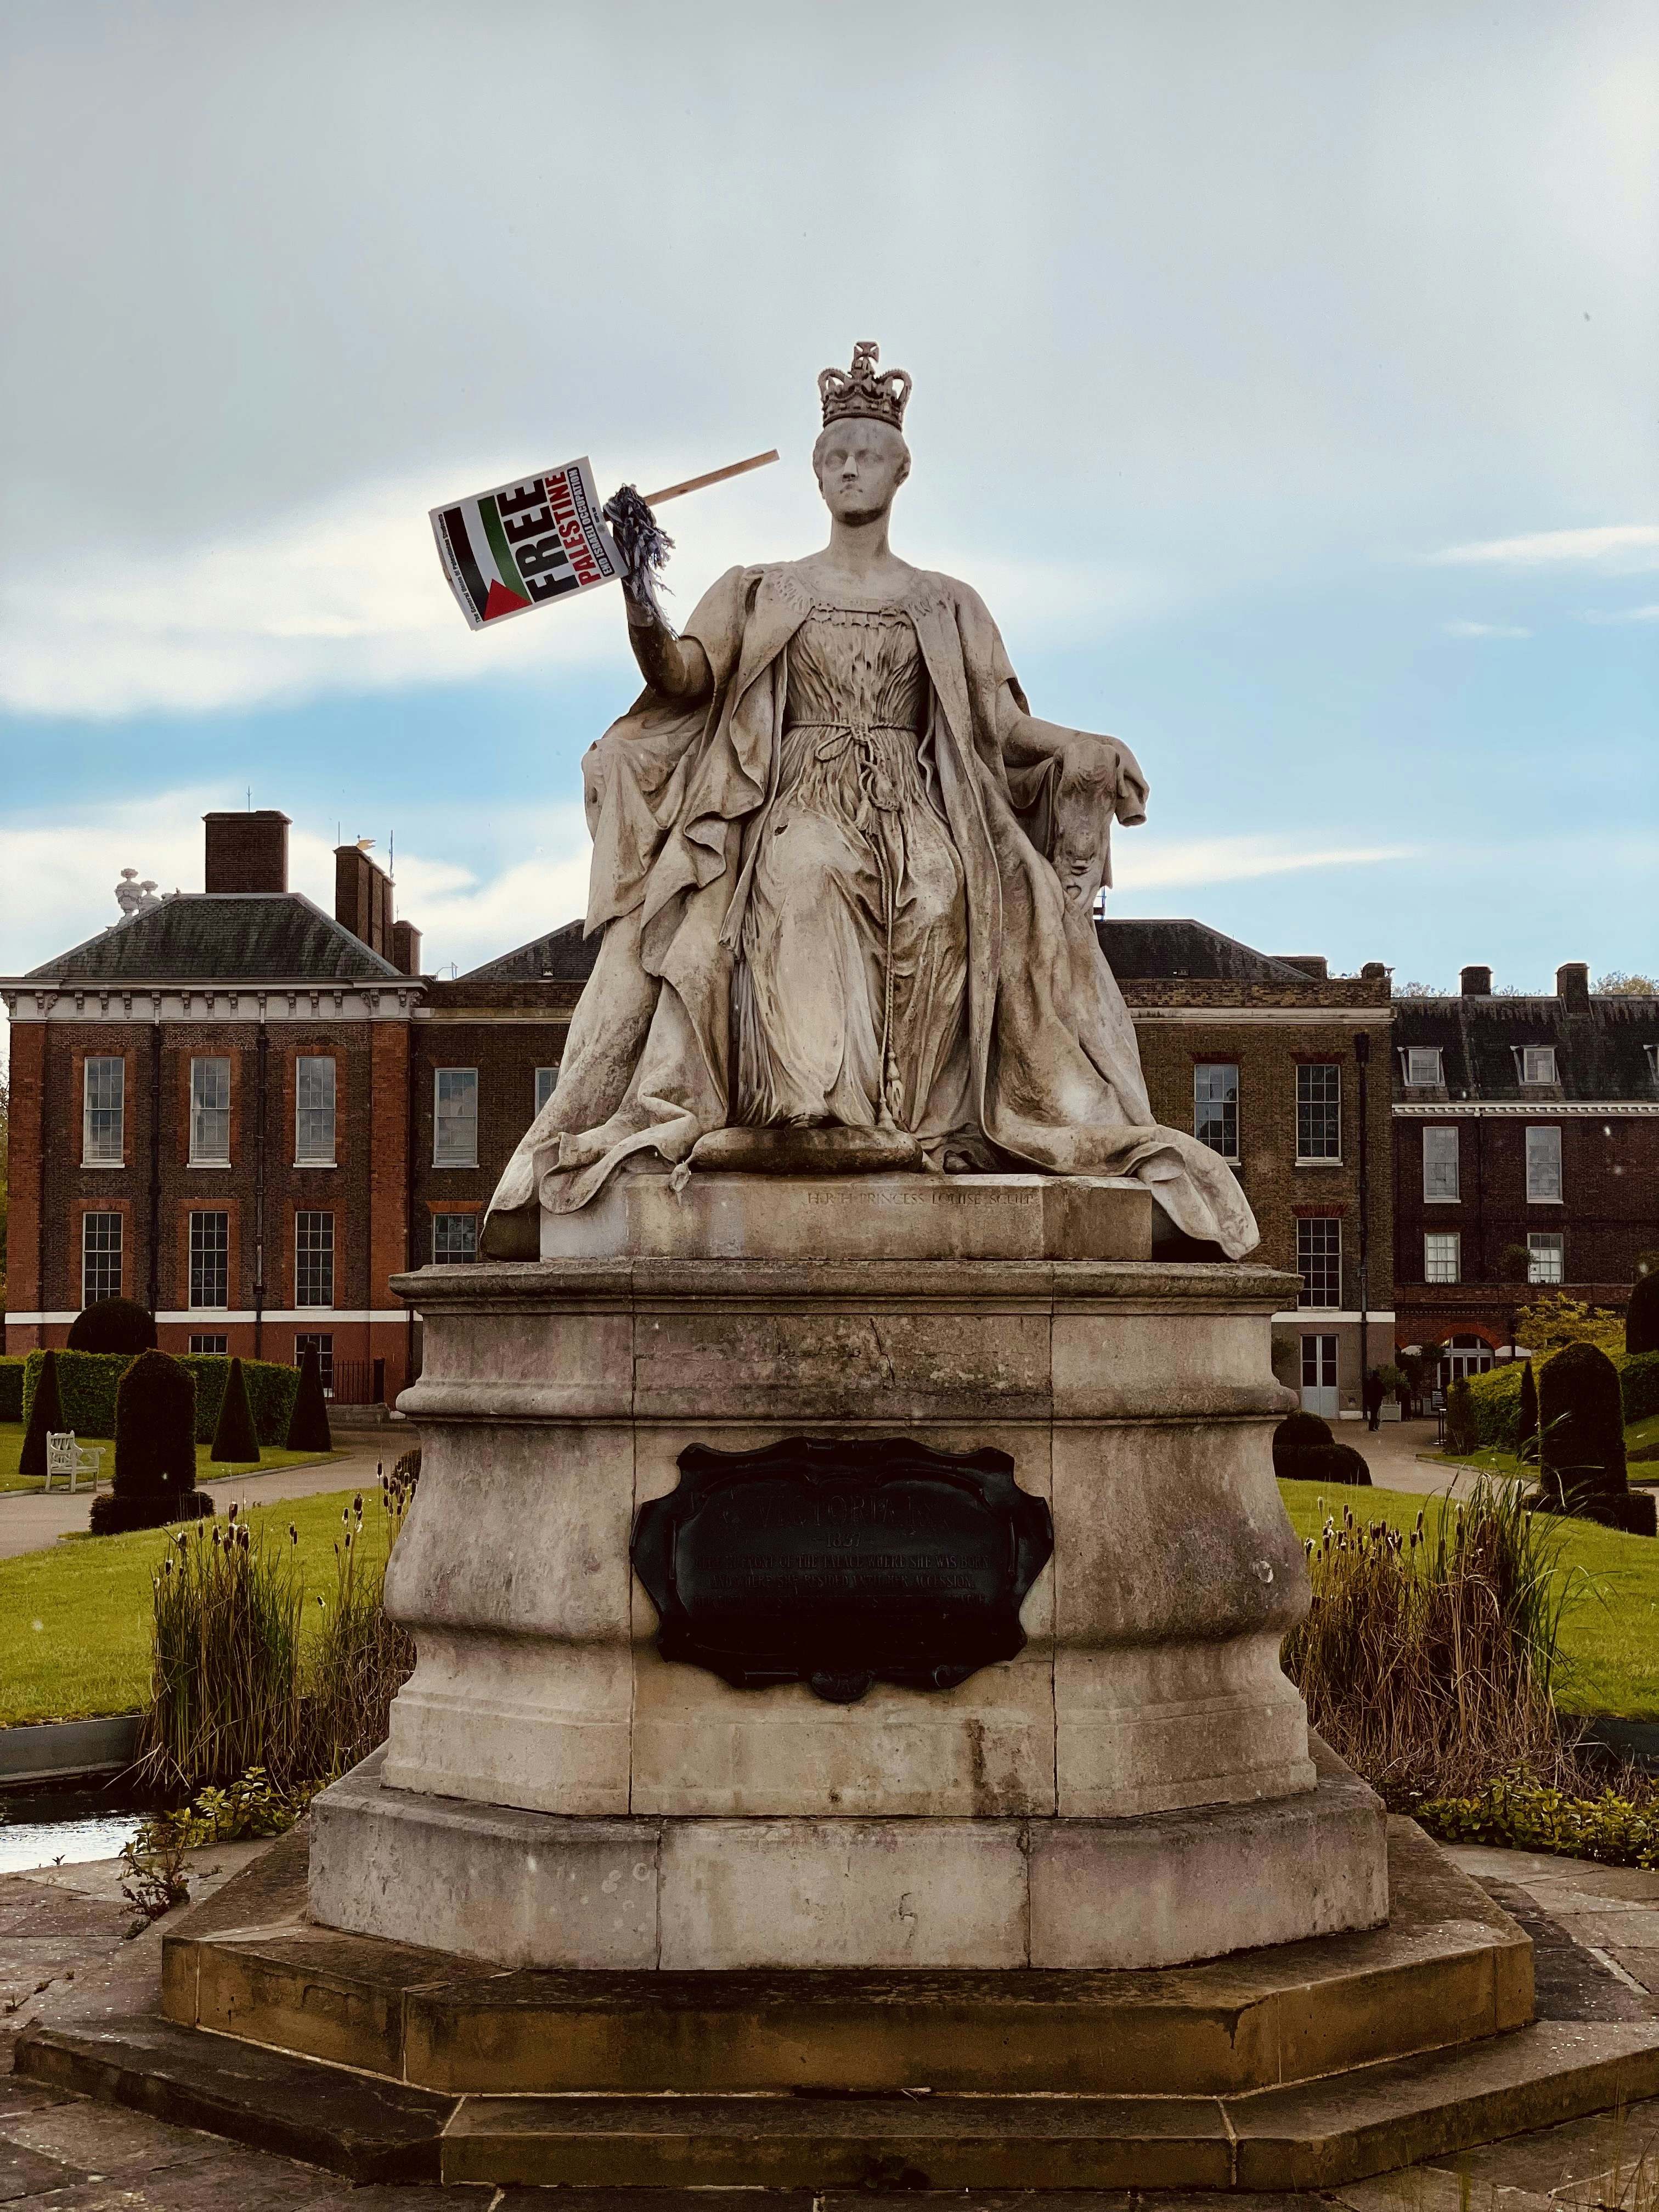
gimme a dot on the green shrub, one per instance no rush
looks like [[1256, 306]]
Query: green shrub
[[234, 1443], [1296, 1434], [1528, 1426], [1461, 1433], [1641, 1315], [154, 1449], [1517, 1814], [87, 1382], [11, 1386], [308, 1425], [113, 1325], [45, 1416], [1638, 1386], [1494, 1406]]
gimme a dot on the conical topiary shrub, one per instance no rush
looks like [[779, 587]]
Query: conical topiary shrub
[[45, 1416], [113, 1325], [308, 1425], [1581, 1436], [235, 1440], [1642, 1315], [1529, 1428], [154, 1449]]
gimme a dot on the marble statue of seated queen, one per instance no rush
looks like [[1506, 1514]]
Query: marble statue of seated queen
[[843, 882]]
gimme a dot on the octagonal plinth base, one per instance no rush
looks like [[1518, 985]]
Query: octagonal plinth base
[[1303, 2066]]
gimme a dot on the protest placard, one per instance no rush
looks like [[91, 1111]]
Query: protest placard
[[522, 544]]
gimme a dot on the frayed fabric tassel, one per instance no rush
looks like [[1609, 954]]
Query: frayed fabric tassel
[[644, 546]]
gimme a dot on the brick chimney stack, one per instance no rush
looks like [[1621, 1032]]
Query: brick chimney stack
[[1572, 982], [247, 851], [362, 898], [405, 948], [1476, 983]]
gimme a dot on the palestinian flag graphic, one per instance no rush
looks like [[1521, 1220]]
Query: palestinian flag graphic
[[522, 544]]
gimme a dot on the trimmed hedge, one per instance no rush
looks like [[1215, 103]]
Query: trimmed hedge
[[1638, 1381], [1304, 1450], [154, 1451], [234, 1439], [11, 1386], [113, 1325], [87, 1383], [1494, 1399], [1642, 1317]]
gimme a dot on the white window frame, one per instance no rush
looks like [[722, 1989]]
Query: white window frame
[[1412, 1055], [546, 1080], [1450, 1253], [1221, 1104], [316, 1110], [311, 1213], [1546, 1244], [213, 1345], [1441, 1178], [1313, 1107], [1306, 1300], [1540, 1173], [453, 1259], [454, 1117], [1537, 1064], [109, 1150], [118, 1249], [210, 1117], [207, 1305]]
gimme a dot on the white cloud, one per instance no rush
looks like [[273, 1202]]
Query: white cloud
[[1621, 546], [1141, 864], [1484, 629], [1649, 614]]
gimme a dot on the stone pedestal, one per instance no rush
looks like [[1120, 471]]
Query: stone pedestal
[[634, 1812]]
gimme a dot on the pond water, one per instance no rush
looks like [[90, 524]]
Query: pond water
[[68, 1824]]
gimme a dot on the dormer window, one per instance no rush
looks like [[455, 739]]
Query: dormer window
[[1423, 1070], [1537, 1063]]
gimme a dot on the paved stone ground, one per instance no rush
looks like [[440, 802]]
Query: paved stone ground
[[30, 1520], [64, 1948]]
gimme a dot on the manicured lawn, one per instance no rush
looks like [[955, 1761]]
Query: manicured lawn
[[11, 1444], [1609, 1645], [75, 1620]]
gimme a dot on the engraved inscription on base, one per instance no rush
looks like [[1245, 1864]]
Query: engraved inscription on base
[[842, 1561]]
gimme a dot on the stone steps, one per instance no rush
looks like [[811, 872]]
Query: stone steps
[[1311, 2137]]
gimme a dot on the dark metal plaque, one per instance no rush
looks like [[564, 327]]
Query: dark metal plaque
[[842, 1561]]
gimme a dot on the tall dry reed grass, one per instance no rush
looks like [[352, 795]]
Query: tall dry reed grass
[[1427, 1660], [235, 1683]]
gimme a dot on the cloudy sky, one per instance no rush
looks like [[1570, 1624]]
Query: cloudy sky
[[1286, 381]]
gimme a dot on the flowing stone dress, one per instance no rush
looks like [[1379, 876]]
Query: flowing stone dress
[[853, 887], [850, 988]]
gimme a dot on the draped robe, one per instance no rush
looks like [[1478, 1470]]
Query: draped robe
[[677, 800]]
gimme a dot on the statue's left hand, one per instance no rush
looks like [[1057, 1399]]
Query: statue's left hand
[[1098, 779]]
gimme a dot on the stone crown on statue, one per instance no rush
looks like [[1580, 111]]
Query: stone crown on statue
[[864, 390]]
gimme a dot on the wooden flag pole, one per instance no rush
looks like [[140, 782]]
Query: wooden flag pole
[[714, 476]]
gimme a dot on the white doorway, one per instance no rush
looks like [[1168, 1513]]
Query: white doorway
[[1465, 1355], [1319, 1376]]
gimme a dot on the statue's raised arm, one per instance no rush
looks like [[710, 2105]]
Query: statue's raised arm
[[844, 884]]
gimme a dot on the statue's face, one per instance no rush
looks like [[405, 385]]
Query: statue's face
[[859, 466]]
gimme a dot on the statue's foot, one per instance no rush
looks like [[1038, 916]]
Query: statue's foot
[[826, 1149]]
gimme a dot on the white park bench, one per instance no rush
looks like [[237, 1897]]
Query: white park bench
[[70, 1460]]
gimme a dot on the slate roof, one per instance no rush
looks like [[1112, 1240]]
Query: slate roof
[[1141, 948], [1169, 949], [561, 953], [222, 937], [1598, 1042]]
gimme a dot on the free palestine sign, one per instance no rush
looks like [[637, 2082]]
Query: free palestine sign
[[522, 544]]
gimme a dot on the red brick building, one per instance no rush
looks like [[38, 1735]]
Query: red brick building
[[1526, 1155], [210, 1115]]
